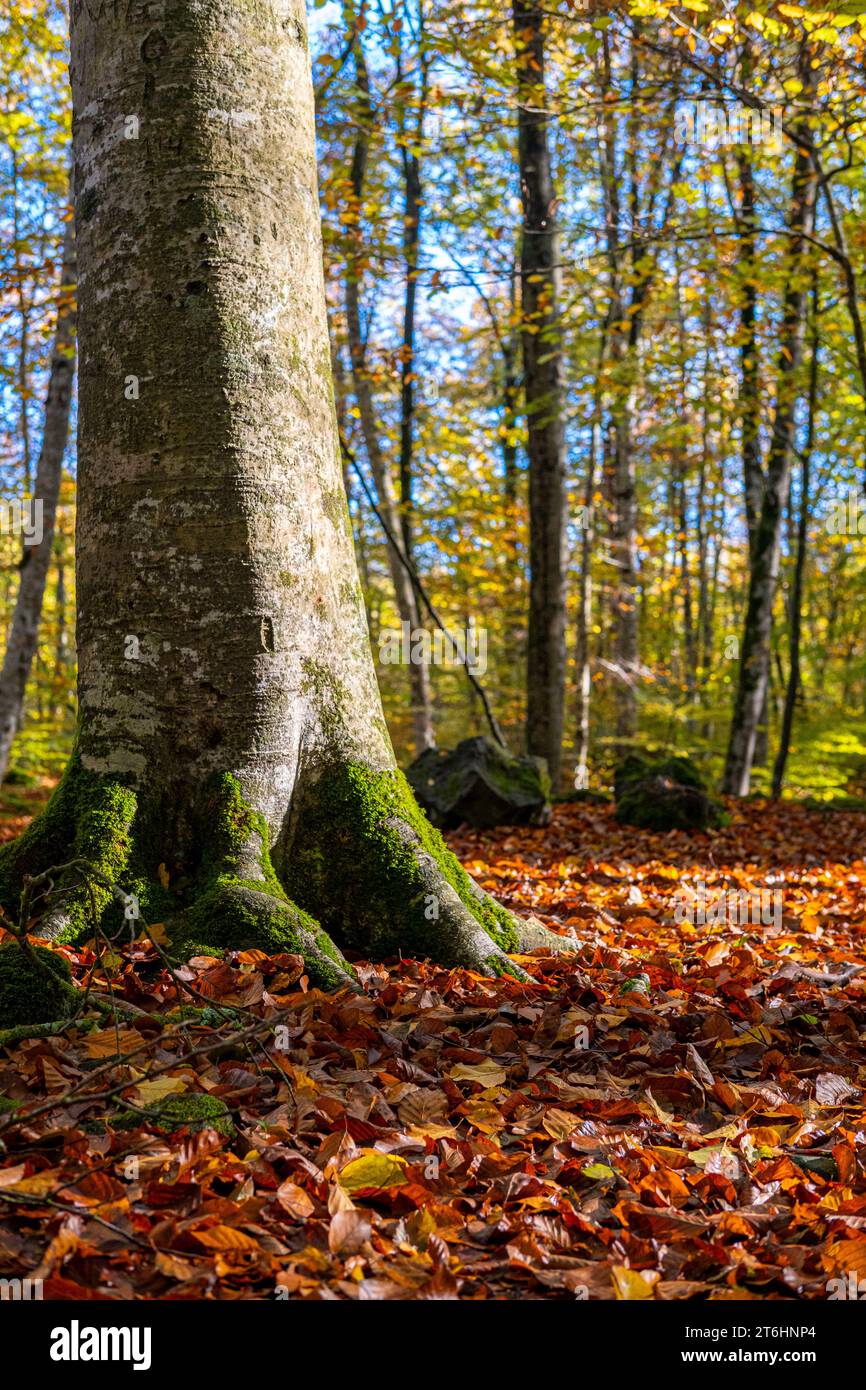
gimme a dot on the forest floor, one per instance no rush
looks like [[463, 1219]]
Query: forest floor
[[677, 1111]]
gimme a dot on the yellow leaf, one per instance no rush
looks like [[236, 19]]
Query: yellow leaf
[[149, 1092], [631, 1285], [487, 1073], [373, 1169], [559, 1123], [226, 1238]]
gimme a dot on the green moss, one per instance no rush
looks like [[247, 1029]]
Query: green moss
[[234, 914], [239, 903], [7, 1106], [98, 819], [27, 995], [193, 1111], [335, 508], [354, 871], [233, 836]]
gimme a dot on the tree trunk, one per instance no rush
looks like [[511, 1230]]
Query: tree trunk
[[404, 590], [750, 385], [750, 391], [583, 659], [542, 375], [61, 647], [422, 715], [232, 772], [765, 549], [24, 633], [796, 613]]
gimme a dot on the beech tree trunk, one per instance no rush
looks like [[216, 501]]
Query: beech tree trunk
[[542, 375], [765, 549], [233, 775], [795, 614], [36, 559]]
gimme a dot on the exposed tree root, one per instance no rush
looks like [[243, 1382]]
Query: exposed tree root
[[362, 866]]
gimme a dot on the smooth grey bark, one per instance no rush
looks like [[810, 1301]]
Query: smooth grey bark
[[753, 678], [542, 376], [795, 607], [583, 653], [36, 559], [23, 333], [750, 391], [232, 766], [404, 591], [750, 380]]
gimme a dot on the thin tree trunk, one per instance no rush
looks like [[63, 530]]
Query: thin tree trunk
[[542, 375], [584, 609], [750, 392], [61, 646], [24, 633], [765, 551], [796, 608], [23, 336]]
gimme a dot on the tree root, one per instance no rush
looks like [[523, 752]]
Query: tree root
[[238, 915], [362, 867]]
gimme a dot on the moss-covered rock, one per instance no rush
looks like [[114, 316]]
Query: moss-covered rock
[[480, 784], [29, 995], [196, 1112], [193, 1110], [664, 794]]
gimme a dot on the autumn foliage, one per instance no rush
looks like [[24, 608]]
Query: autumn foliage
[[678, 1115]]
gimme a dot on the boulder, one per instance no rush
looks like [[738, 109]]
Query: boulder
[[480, 784], [666, 793]]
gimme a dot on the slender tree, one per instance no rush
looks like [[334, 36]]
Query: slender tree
[[542, 375], [36, 559], [795, 606], [765, 550]]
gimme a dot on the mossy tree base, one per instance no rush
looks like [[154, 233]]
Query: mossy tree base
[[360, 865], [34, 993]]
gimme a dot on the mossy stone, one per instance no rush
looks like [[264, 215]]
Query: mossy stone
[[662, 794], [194, 1110], [481, 784]]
